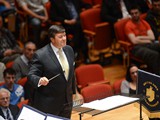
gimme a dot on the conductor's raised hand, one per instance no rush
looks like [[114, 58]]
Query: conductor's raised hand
[[43, 81]]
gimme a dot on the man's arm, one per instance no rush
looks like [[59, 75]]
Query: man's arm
[[31, 13], [142, 39]]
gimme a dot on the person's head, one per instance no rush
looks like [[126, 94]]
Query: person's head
[[29, 50], [132, 73], [9, 76], [135, 13], [57, 36], [156, 6], [4, 97]]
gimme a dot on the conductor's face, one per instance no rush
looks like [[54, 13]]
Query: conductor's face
[[59, 40]]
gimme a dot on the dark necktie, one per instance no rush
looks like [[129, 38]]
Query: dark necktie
[[8, 117]]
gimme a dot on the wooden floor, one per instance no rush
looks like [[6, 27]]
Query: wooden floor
[[114, 71]]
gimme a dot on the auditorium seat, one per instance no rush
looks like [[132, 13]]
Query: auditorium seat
[[96, 92], [98, 34], [24, 102], [91, 74], [117, 86]]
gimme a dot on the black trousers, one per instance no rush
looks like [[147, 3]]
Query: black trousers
[[150, 54]]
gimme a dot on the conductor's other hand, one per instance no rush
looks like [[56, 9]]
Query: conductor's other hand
[[43, 81]]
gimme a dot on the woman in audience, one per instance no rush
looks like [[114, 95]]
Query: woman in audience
[[128, 86]]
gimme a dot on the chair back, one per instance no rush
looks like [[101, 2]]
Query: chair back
[[2, 83], [9, 64], [86, 74], [143, 16], [119, 28], [96, 92], [24, 102], [91, 21], [90, 18], [22, 81], [95, 2], [48, 7], [88, 1], [117, 86]]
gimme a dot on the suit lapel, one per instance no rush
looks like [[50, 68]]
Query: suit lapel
[[1, 113], [54, 57]]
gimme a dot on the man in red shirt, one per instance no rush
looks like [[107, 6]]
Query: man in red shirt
[[142, 38]]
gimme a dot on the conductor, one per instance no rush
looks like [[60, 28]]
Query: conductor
[[52, 74]]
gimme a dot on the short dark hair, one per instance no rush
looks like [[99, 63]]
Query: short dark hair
[[10, 71], [128, 75], [133, 7], [54, 29]]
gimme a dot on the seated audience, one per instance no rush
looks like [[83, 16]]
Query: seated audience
[[143, 41], [37, 14], [153, 18], [7, 111], [114, 10], [67, 13], [21, 64], [9, 49], [17, 92], [128, 86], [2, 68]]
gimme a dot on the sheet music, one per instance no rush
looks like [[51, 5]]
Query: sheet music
[[30, 114], [109, 102]]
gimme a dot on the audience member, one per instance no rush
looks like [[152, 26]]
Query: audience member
[[142, 38], [2, 68], [128, 86], [17, 92], [153, 18], [37, 14], [9, 49], [7, 110], [67, 13], [21, 64]]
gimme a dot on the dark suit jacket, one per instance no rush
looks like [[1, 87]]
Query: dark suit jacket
[[14, 110], [111, 10], [51, 98]]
